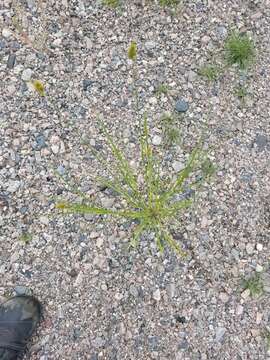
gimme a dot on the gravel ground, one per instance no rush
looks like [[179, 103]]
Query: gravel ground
[[102, 300]]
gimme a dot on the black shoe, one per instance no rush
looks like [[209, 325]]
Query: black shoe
[[19, 317]]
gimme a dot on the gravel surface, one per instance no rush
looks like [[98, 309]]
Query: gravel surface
[[101, 299]]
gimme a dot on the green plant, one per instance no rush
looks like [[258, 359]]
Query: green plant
[[26, 237], [266, 335], [161, 89], [170, 130], [111, 3], [169, 2], [254, 284], [239, 50], [210, 72], [241, 92]]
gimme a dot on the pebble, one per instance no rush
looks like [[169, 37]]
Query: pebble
[[220, 332], [224, 297], [27, 74], [21, 290], [156, 140], [87, 83], [61, 170], [133, 291], [178, 165], [150, 45], [181, 106], [259, 268], [239, 310], [222, 31], [183, 345], [259, 247], [107, 202], [261, 142], [40, 142], [249, 249], [6, 33], [13, 186], [266, 282], [11, 61], [245, 294], [157, 295]]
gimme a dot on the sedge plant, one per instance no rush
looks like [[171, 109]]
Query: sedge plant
[[155, 203]]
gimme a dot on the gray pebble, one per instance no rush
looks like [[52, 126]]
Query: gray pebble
[[261, 142], [150, 45], [27, 74], [61, 170], [133, 291], [40, 142], [183, 345], [21, 290], [181, 106], [11, 61], [220, 332], [153, 342], [87, 83], [222, 31]]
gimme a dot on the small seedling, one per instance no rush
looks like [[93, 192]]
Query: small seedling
[[38, 87], [254, 284], [241, 92], [26, 237], [240, 50], [210, 72], [266, 335], [111, 3], [162, 89], [169, 2]]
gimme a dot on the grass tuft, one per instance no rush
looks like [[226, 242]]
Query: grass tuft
[[111, 3], [169, 2], [254, 284], [153, 203], [210, 72], [240, 50]]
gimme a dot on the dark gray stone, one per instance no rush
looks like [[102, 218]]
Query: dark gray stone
[[183, 345], [181, 106], [11, 61], [87, 83], [40, 142], [21, 290]]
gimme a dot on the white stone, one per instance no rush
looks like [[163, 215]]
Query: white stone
[[94, 235], [259, 247], [99, 242], [157, 295], [44, 220], [239, 310], [249, 249], [13, 186], [259, 268], [55, 149], [27, 74], [178, 166], [245, 294], [6, 33], [157, 140]]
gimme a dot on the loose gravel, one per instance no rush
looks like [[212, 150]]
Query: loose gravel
[[101, 299]]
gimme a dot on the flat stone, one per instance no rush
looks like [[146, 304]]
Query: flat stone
[[150, 45], [133, 291], [156, 140], [6, 33], [27, 74], [220, 332], [178, 166], [61, 170], [181, 106], [87, 83], [261, 142], [245, 294], [13, 186], [249, 249], [157, 295], [11, 61], [21, 290]]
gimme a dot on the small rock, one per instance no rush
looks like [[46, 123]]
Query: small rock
[[107, 202], [99, 242], [183, 345], [14, 257], [224, 297], [11, 61], [153, 342], [72, 273], [222, 31], [27, 74], [98, 342], [259, 317], [249, 248], [44, 220], [6, 33], [150, 45], [180, 319], [133, 291], [156, 140], [265, 277], [261, 142], [87, 83], [55, 148], [259, 268], [178, 166], [21, 290], [40, 142], [157, 295], [181, 106], [245, 294], [205, 39], [220, 332], [61, 170], [239, 310], [259, 247], [13, 186], [94, 235]]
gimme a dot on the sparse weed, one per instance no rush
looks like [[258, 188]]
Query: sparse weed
[[210, 72], [111, 3], [153, 202], [241, 92], [26, 237], [254, 284], [266, 335], [169, 2], [162, 89], [240, 50], [170, 130]]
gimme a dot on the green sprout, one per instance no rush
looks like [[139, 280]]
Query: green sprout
[[254, 284], [210, 72]]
